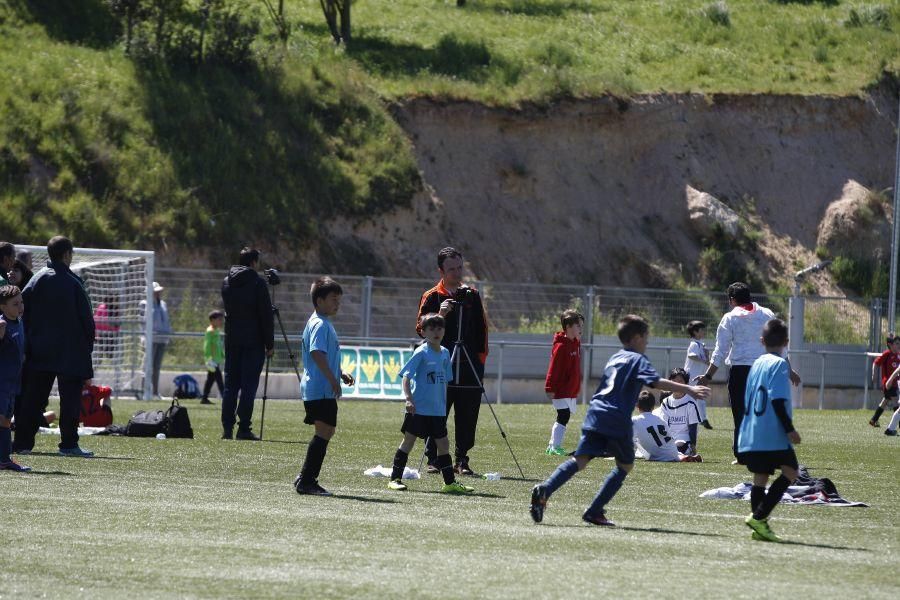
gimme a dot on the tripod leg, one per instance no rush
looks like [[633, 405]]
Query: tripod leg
[[262, 420]]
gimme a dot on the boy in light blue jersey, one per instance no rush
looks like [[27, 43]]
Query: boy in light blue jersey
[[320, 387], [767, 433], [425, 378], [607, 428]]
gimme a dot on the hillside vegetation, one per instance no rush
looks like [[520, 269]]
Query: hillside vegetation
[[266, 141]]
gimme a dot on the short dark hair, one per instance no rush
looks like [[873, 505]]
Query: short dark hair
[[570, 317], [694, 326], [775, 333], [631, 326], [215, 314], [22, 255], [58, 246], [891, 337], [248, 256], [432, 320], [739, 292], [445, 253], [678, 372], [323, 286], [646, 401], [7, 250], [8, 292]]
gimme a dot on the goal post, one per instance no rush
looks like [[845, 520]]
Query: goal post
[[119, 284]]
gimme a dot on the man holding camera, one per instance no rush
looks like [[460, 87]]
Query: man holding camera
[[453, 300], [249, 339]]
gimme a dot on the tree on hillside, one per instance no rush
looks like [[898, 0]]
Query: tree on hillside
[[277, 15], [334, 9]]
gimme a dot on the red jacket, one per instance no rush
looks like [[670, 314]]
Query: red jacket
[[564, 372], [92, 414], [888, 361]]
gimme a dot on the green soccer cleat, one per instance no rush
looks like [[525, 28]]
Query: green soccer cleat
[[396, 484], [456, 488], [762, 529], [555, 451]]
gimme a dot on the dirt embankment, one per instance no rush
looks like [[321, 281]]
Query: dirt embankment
[[593, 191]]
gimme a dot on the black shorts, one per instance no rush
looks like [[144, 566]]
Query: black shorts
[[321, 410], [769, 460], [425, 426]]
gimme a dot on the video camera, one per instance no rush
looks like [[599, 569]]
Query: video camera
[[272, 277], [463, 296]]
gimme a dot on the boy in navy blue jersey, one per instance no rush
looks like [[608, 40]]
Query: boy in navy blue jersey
[[321, 384], [607, 426], [766, 434], [12, 356], [425, 378]]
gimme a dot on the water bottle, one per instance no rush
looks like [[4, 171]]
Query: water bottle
[[492, 476], [160, 436]]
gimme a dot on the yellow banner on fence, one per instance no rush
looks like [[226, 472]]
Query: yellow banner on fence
[[376, 371]]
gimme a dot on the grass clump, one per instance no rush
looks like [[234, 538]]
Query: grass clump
[[717, 13]]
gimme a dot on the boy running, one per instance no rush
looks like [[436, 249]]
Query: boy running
[[607, 426], [889, 361], [766, 435], [425, 378], [563, 382]]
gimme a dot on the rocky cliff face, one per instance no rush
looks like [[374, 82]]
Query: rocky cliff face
[[593, 191]]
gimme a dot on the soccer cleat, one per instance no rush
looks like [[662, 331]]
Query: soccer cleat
[[396, 484], [706, 424], [205, 401], [12, 465], [538, 503], [432, 469], [76, 452], [456, 488], [246, 434], [761, 527], [890, 432], [757, 537], [463, 468], [600, 520], [555, 451], [873, 423], [310, 489], [692, 458]]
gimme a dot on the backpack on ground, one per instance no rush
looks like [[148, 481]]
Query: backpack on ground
[[178, 424], [186, 387], [146, 423]]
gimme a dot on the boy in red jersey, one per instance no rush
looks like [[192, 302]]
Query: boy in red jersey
[[889, 361], [563, 382]]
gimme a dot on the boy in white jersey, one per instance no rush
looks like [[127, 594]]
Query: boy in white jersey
[[696, 361], [425, 378], [650, 436], [680, 414]]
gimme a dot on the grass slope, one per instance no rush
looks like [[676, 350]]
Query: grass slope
[[206, 518]]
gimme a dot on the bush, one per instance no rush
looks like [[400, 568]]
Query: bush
[[875, 15], [867, 278], [718, 13]]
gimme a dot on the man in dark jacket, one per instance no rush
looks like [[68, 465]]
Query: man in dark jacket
[[249, 338], [447, 298], [59, 339]]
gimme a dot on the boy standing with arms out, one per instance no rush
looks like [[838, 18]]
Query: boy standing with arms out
[[696, 361], [213, 355], [889, 361], [429, 371], [321, 385], [766, 435], [607, 426], [12, 357], [563, 382]]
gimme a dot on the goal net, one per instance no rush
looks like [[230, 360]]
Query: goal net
[[119, 284]]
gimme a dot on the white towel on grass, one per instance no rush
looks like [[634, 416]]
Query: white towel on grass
[[380, 471]]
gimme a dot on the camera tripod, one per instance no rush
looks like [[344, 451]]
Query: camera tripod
[[262, 421], [459, 353]]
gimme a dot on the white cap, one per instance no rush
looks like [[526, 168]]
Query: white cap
[[157, 287]]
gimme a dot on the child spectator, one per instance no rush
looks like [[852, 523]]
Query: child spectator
[[425, 378], [96, 410], [12, 357], [766, 435], [889, 361], [607, 426], [696, 362], [20, 274], [321, 385], [895, 418], [680, 414], [106, 330], [213, 355], [651, 439], [563, 381]]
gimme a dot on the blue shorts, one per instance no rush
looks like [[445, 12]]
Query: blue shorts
[[7, 405], [597, 444]]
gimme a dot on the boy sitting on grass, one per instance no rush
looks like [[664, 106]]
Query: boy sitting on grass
[[766, 434], [651, 438], [680, 414], [427, 373], [563, 381], [12, 357], [607, 426]]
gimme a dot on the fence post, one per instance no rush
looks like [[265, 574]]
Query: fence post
[[589, 326], [365, 321], [822, 382], [500, 377], [875, 315]]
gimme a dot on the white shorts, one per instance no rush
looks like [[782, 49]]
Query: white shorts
[[561, 403]]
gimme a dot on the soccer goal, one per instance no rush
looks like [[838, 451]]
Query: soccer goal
[[119, 283]]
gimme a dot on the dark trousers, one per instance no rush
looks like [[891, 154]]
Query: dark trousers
[[737, 387], [33, 403], [243, 365], [467, 402], [211, 378]]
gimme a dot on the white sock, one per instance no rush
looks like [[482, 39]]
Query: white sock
[[556, 435], [894, 420]]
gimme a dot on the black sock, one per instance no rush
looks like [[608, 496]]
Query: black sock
[[5, 444], [446, 466], [315, 456], [877, 414], [773, 497], [757, 493], [400, 459]]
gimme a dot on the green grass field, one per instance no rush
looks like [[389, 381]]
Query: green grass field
[[211, 518]]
